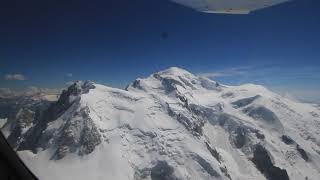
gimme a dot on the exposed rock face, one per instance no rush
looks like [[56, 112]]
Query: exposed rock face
[[79, 134], [21, 113], [40, 138], [263, 162], [90, 137], [210, 85], [162, 171], [67, 98], [136, 84], [192, 123], [259, 135], [287, 140], [214, 152], [170, 84], [10, 107], [206, 165], [241, 137], [21, 124]]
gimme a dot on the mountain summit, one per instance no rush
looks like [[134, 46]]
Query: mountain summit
[[172, 125]]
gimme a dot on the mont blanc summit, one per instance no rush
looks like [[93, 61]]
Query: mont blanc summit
[[171, 125]]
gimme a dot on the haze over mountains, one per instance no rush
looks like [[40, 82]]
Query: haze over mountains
[[32, 92], [171, 125]]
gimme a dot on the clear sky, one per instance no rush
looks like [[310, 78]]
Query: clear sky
[[53, 42]]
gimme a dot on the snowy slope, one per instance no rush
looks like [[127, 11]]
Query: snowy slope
[[173, 125]]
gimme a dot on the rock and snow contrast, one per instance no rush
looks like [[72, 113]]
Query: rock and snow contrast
[[171, 125]]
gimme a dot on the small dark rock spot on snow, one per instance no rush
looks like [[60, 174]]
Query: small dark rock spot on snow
[[136, 84], [286, 139], [314, 114], [228, 95], [259, 135], [303, 153], [162, 171]]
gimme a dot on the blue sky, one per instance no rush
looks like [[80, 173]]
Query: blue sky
[[50, 43]]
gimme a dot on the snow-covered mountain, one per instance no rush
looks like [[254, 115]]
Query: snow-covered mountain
[[171, 125], [21, 108]]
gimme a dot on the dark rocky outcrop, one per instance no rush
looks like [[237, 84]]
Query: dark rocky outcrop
[[35, 137], [170, 84], [136, 84], [240, 137], [186, 82], [224, 170], [287, 140], [90, 136], [204, 112], [262, 160], [78, 135], [192, 123], [23, 120], [162, 171], [214, 152], [210, 85], [183, 99], [302, 153], [259, 135], [227, 95], [21, 113], [206, 166]]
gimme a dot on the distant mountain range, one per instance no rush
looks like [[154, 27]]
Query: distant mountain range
[[172, 125], [31, 92]]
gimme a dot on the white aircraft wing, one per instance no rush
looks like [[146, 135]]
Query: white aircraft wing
[[228, 6]]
